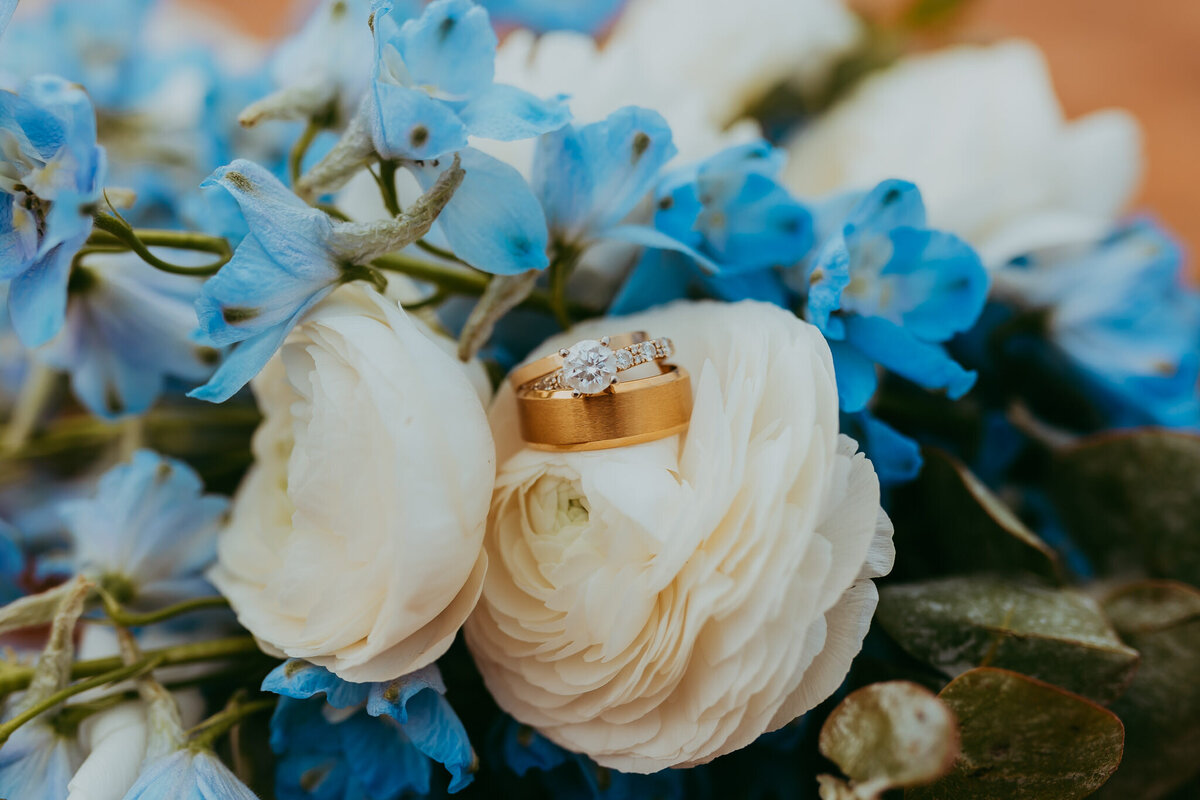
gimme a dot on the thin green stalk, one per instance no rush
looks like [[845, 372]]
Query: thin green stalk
[[211, 729], [129, 619], [111, 676], [452, 279], [433, 301], [440, 252], [14, 678], [387, 186], [140, 242], [300, 149], [36, 392]]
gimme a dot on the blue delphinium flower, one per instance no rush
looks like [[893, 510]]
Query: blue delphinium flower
[[887, 290], [1123, 314], [896, 457], [188, 774], [590, 178], [543, 16], [149, 532], [129, 327], [38, 761], [293, 256], [337, 739], [51, 173], [724, 227]]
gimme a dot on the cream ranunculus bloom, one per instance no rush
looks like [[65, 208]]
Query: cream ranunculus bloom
[[661, 605], [355, 540], [980, 131]]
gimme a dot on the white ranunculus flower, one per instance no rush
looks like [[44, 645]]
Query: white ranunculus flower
[[665, 55], [980, 131], [116, 743], [355, 540], [660, 605]]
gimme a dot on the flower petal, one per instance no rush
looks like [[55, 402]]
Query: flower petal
[[508, 114]]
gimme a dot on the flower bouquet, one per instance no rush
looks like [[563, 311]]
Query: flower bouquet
[[530, 398]]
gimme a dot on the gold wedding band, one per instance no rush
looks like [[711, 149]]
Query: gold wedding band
[[573, 400]]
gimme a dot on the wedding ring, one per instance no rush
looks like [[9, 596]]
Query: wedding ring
[[628, 412], [591, 366], [575, 400]]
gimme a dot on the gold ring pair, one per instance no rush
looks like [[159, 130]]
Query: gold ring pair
[[576, 399]]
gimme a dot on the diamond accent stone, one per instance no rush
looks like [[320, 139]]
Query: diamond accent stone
[[649, 351], [624, 358], [589, 367]]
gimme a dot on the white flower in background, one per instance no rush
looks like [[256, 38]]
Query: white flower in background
[[669, 55], [355, 540], [660, 605], [980, 131], [116, 743]]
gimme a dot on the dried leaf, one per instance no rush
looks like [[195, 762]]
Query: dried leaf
[[891, 735], [1024, 739], [33, 610], [1057, 635]]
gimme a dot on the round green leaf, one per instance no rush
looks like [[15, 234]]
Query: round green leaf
[[1024, 740], [1057, 635], [1135, 497], [891, 734], [1161, 709]]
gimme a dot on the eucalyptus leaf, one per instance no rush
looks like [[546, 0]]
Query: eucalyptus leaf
[[1022, 738], [1133, 498], [891, 735], [962, 527], [1057, 635], [1161, 709]]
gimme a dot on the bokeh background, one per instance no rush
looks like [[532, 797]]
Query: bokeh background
[[1143, 56]]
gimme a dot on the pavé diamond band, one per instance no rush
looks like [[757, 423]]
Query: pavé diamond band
[[591, 366], [573, 400]]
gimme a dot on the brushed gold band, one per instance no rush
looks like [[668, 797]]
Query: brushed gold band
[[628, 413], [544, 366]]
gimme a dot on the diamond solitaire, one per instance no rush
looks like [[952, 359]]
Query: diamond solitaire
[[589, 367]]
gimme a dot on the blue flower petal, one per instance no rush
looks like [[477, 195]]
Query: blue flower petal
[[301, 680], [451, 48], [37, 763], [391, 698], [437, 732], [493, 222], [7, 7], [507, 114], [37, 298], [891, 204], [896, 458], [855, 375], [660, 276], [937, 282], [543, 16], [409, 124], [382, 758], [923, 363]]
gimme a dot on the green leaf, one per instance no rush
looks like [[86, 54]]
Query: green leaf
[[1057, 635], [890, 735], [1022, 738], [1161, 709], [1135, 497], [961, 527]]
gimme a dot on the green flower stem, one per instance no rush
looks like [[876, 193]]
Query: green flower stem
[[560, 272], [111, 676], [467, 282], [14, 678], [129, 619], [440, 252], [300, 149], [387, 186], [113, 229], [217, 725]]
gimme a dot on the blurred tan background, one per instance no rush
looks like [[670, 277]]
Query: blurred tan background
[[1143, 55]]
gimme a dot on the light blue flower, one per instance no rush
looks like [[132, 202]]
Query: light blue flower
[[51, 173], [590, 178], [95, 43], [38, 761], [293, 256], [1124, 314], [337, 739], [129, 327], [887, 290], [433, 85], [149, 532], [188, 775], [543, 16]]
